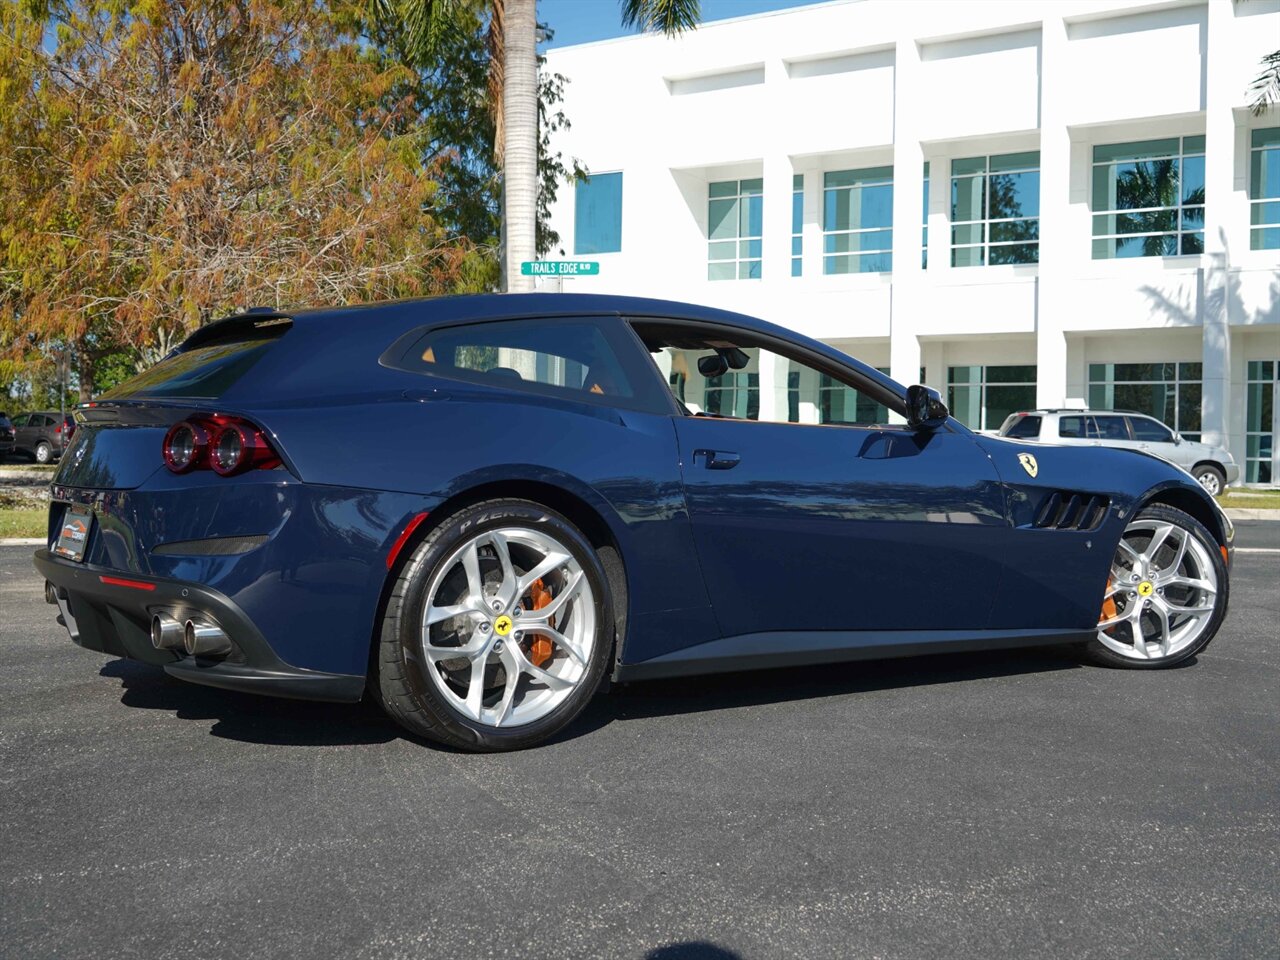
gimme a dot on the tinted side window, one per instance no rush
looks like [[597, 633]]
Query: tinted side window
[[40, 420], [1072, 427], [564, 357], [711, 375], [21, 420], [1150, 430], [1025, 428], [1111, 428]]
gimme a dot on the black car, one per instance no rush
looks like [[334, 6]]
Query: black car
[[43, 435], [6, 435]]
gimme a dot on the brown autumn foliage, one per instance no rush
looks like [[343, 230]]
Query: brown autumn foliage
[[163, 162]]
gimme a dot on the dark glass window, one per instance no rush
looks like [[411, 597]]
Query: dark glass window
[[566, 357], [1025, 428], [1150, 430], [1111, 428], [203, 373], [1071, 427]]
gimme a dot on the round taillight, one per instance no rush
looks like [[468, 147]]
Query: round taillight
[[229, 449], [184, 446]]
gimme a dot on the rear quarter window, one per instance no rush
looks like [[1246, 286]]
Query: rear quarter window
[[1071, 427], [570, 358]]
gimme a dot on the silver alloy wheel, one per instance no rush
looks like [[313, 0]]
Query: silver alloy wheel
[[488, 604], [1163, 591], [44, 453], [1209, 480]]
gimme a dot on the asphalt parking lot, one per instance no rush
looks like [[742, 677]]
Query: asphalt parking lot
[[1014, 805]]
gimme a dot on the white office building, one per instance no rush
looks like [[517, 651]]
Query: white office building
[[1035, 202]]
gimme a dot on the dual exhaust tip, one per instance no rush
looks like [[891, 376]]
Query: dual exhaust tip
[[199, 638]]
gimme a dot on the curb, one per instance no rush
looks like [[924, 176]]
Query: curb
[[1252, 513], [21, 541]]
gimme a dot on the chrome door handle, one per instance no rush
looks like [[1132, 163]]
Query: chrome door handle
[[717, 459]]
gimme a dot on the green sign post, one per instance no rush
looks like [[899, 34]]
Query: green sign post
[[560, 268]]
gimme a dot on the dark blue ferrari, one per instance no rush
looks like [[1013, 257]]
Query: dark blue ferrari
[[480, 509]]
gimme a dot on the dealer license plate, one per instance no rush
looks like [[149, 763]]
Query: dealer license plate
[[76, 524]]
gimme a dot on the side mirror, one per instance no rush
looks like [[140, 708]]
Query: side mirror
[[925, 409]]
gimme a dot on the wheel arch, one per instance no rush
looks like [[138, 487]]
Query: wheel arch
[[576, 509], [1195, 502], [1209, 463]]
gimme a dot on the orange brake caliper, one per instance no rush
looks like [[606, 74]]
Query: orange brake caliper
[[1108, 605], [540, 646]]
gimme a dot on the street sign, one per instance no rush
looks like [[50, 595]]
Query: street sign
[[560, 268]]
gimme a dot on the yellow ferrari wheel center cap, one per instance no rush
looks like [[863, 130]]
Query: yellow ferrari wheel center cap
[[502, 626], [1145, 588]]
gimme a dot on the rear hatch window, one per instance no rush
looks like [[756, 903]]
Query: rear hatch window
[[204, 373]]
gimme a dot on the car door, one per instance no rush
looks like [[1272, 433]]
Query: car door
[[1154, 437], [1111, 430], [810, 512], [21, 431]]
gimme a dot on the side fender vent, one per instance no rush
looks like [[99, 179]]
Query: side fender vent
[[1063, 510]]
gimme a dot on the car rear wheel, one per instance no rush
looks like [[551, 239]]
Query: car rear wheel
[[497, 632], [1167, 593], [44, 452], [1211, 478]]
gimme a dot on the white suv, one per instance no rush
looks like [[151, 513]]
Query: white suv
[[1213, 467]]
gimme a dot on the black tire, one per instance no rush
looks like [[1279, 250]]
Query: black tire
[[44, 452], [410, 697], [1099, 653], [1211, 474]]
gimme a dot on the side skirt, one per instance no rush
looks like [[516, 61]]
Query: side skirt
[[760, 651]]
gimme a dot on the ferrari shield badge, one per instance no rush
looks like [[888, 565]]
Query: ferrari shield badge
[[1029, 464]]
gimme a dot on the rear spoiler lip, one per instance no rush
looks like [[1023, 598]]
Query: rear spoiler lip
[[250, 320]]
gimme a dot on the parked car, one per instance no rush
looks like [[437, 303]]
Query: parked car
[[6, 436], [43, 435], [1213, 467], [480, 508]]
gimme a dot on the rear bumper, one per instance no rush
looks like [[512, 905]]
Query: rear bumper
[[114, 616]]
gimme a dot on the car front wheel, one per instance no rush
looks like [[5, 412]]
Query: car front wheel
[[1211, 478], [497, 632], [1167, 593]]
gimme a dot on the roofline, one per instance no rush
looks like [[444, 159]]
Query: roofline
[[706, 24]]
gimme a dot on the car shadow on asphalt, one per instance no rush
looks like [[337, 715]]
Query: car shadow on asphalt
[[251, 718], [273, 721]]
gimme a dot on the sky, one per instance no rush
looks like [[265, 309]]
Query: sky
[[581, 21]]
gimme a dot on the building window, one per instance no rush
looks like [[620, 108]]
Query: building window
[[1148, 198], [1260, 422], [982, 397], [734, 229], [597, 214], [924, 233], [1170, 392], [1264, 190], [995, 209], [857, 221], [797, 224]]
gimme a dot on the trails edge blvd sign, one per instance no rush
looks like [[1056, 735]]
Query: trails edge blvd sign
[[560, 268]]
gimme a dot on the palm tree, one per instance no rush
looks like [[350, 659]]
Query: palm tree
[[513, 94], [1265, 91]]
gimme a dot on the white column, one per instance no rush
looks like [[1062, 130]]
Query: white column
[[778, 172], [1215, 263], [1053, 294], [908, 197], [811, 247]]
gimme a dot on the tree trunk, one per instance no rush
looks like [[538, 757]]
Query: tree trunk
[[84, 368], [520, 139]]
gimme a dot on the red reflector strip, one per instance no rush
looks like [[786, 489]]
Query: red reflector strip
[[133, 584], [401, 540]]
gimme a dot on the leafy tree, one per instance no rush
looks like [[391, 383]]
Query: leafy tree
[[514, 88], [170, 160]]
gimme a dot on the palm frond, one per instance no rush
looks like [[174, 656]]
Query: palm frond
[[1264, 92], [661, 16]]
